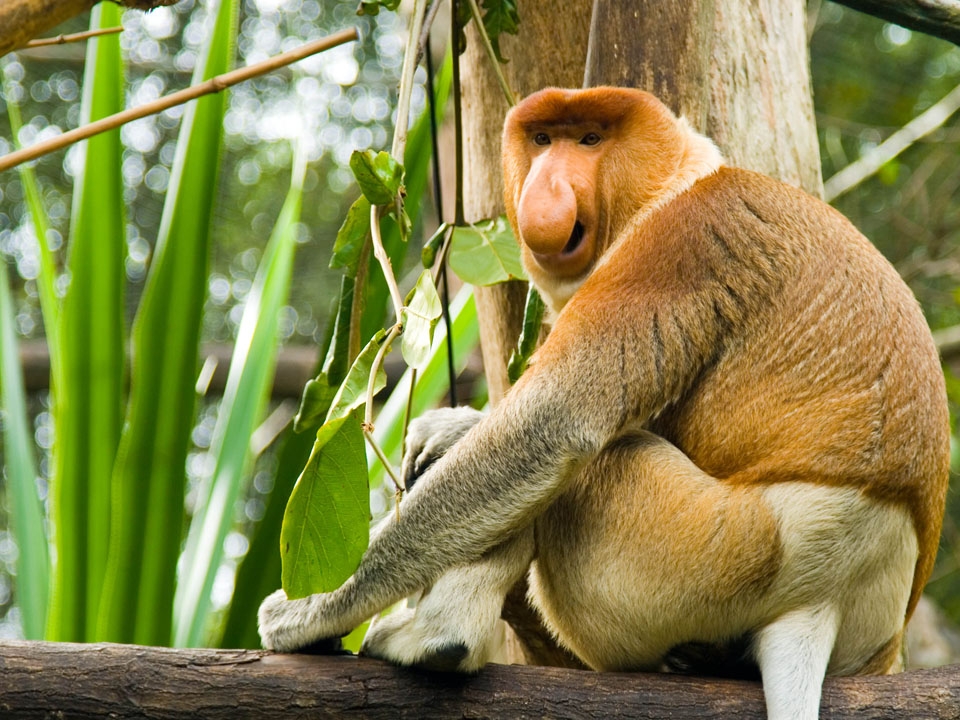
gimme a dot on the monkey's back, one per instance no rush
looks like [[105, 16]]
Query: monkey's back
[[829, 374]]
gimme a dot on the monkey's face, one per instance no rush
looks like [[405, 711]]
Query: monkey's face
[[578, 164]]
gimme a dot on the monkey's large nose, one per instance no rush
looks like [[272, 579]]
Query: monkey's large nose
[[547, 215]]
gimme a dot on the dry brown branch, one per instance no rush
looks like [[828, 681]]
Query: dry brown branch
[[213, 85], [44, 680], [73, 37], [23, 20]]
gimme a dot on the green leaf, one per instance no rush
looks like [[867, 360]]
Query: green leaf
[[419, 318], [432, 383], [352, 236], [416, 159], [149, 479], [88, 399], [353, 392], [26, 512], [428, 256], [486, 253], [248, 387], [500, 16], [317, 396], [327, 520], [529, 336], [379, 176]]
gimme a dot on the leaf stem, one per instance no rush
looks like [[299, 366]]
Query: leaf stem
[[378, 451], [475, 12], [406, 80], [381, 254], [371, 383]]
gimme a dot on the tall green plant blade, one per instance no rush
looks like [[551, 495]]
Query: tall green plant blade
[[248, 387], [149, 477], [26, 514], [416, 162], [49, 306], [89, 400], [432, 383]]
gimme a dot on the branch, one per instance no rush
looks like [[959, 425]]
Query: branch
[[74, 37], [125, 681], [213, 85], [922, 125], [940, 18], [23, 20]]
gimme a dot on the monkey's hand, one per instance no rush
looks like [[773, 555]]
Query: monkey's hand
[[292, 625], [431, 435]]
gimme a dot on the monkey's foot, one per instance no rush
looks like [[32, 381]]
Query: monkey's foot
[[410, 639]]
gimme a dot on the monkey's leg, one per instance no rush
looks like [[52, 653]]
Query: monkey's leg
[[793, 653], [454, 624]]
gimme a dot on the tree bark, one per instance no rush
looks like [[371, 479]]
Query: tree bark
[[70, 681], [23, 20]]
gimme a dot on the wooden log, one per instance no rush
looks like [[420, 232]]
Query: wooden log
[[65, 680]]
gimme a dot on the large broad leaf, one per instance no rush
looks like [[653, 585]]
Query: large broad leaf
[[486, 253], [88, 396], [326, 524], [419, 318], [248, 386], [26, 513], [353, 391], [149, 478]]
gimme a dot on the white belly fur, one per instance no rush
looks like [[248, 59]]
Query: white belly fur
[[628, 563]]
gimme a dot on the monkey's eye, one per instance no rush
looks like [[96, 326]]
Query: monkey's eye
[[590, 139], [541, 139]]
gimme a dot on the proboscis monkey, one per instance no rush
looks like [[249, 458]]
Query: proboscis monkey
[[735, 435]]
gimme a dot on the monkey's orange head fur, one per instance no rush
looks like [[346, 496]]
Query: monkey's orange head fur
[[579, 163]]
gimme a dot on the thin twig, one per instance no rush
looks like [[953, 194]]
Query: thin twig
[[378, 451], [406, 82], [213, 85], [377, 363], [457, 119], [428, 19], [381, 254], [924, 124], [488, 46], [73, 37]]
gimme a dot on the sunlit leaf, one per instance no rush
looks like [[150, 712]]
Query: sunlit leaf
[[326, 523], [486, 253], [379, 176], [353, 392], [419, 318]]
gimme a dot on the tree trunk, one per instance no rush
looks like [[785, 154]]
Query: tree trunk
[[23, 20], [70, 681]]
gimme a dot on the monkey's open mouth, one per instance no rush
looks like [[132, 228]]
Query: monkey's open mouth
[[576, 237]]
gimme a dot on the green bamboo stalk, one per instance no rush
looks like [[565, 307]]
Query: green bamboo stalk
[[26, 513], [88, 402], [149, 478]]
